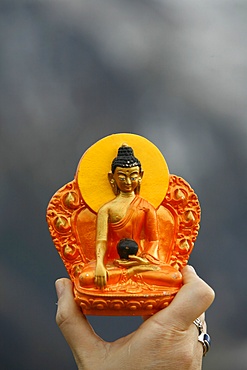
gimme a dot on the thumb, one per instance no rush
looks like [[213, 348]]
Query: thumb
[[190, 302], [70, 319]]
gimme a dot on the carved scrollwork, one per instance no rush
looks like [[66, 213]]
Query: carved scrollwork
[[99, 304], [71, 200], [117, 304], [163, 303], [61, 224], [186, 209], [125, 305], [150, 304], [84, 304], [70, 251]]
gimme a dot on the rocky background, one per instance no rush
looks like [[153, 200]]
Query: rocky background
[[73, 71]]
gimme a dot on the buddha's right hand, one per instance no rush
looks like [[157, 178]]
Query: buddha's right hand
[[100, 275]]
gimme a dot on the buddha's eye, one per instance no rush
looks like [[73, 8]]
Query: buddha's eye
[[122, 178]]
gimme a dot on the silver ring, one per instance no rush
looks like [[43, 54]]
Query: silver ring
[[203, 338]]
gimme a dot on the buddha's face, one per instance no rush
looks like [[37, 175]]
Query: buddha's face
[[127, 179]]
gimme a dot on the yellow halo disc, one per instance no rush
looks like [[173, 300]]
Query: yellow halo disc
[[95, 164]]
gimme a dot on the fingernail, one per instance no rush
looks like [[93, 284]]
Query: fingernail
[[191, 268], [59, 285]]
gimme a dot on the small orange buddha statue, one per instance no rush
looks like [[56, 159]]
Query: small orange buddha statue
[[124, 240], [127, 218]]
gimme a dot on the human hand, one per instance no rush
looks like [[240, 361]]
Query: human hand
[[100, 275], [168, 340]]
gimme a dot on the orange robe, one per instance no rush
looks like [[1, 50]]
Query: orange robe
[[139, 223]]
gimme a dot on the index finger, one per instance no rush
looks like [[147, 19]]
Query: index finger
[[70, 319]]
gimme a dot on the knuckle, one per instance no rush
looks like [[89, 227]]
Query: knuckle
[[188, 354], [61, 318], [207, 293]]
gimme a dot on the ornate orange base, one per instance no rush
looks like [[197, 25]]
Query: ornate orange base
[[125, 305]]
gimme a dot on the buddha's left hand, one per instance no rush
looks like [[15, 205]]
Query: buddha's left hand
[[131, 262]]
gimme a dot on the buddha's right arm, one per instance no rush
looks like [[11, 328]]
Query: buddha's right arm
[[101, 233], [100, 270], [101, 246], [102, 226]]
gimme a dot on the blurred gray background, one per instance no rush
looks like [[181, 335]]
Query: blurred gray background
[[73, 71]]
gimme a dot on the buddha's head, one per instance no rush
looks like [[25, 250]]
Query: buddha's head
[[126, 172]]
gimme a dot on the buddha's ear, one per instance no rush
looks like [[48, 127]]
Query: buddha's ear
[[113, 183], [138, 188], [110, 176]]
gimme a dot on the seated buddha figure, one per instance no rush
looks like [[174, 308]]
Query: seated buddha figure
[[127, 240]]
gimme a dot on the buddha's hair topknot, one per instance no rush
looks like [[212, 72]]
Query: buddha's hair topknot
[[125, 158]]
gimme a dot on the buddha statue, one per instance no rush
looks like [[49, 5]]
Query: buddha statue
[[124, 227], [127, 218]]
